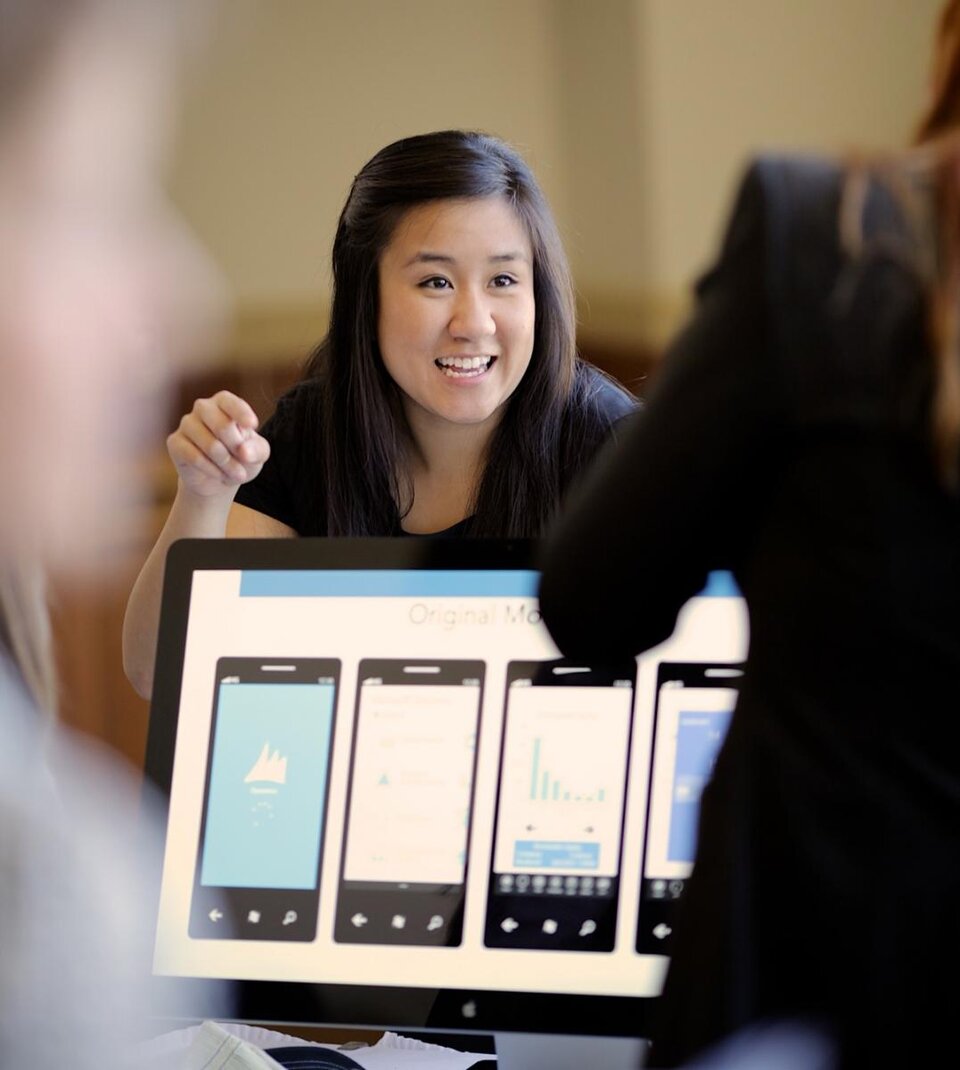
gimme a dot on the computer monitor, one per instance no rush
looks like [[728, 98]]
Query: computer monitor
[[392, 804]]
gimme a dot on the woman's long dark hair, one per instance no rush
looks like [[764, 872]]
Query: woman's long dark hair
[[359, 419]]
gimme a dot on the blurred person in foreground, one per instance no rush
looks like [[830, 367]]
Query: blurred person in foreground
[[99, 289], [804, 432]]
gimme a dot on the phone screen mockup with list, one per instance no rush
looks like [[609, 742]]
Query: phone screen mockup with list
[[555, 869], [693, 709], [410, 802], [261, 843]]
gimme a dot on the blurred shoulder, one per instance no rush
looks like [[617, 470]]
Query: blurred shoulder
[[840, 269], [794, 175], [782, 243], [800, 201], [788, 201]]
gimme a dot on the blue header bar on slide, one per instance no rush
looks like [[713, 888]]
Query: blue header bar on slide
[[389, 583], [417, 583]]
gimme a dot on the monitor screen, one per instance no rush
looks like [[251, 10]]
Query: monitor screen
[[391, 802]]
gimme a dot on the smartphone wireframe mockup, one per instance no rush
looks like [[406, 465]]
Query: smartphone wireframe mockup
[[694, 705], [555, 869], [407, 835], [265, 798]]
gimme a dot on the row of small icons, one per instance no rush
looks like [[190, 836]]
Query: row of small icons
[[660, 889], [254, 916], [399, 921], [550, 926], [554, 885]]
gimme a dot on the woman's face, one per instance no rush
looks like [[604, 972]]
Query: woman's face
[[101, 291], [457, 310]]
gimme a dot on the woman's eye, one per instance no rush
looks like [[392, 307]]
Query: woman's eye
[[502, 281], [436, 282]]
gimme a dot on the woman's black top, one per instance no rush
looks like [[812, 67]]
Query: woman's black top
[[289, 487], [786, 439]]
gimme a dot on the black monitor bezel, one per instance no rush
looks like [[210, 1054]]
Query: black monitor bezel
[[327, 1004]]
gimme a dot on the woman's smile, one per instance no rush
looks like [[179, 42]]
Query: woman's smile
[[465, 369]]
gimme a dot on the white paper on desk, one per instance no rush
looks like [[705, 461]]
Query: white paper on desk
[[171, 1051], [391, 1052], [213, 1048], [394, 1052]]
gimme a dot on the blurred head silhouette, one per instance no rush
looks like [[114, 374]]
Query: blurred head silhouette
[[101, 294], [942, 114], [102, 291]]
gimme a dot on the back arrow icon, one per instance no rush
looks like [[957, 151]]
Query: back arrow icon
[[359, 920], [215, 915]]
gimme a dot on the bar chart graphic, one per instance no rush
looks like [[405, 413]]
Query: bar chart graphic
[[563, 780], [546, 788]]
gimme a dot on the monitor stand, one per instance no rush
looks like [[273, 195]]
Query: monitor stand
[[535, 1051]]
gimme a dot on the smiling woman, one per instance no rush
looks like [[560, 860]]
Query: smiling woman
[[447, 398], [457, 314]]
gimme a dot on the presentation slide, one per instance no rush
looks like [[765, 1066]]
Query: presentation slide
[[388, 775]]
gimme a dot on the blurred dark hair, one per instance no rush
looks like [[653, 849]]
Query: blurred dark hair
[[939, 133], [359, 417], [925, 182], [942, 115], [940, 130]]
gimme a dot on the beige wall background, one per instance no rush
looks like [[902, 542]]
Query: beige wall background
[[637, 116]]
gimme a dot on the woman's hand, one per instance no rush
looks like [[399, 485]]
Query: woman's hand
[[216, 448]]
